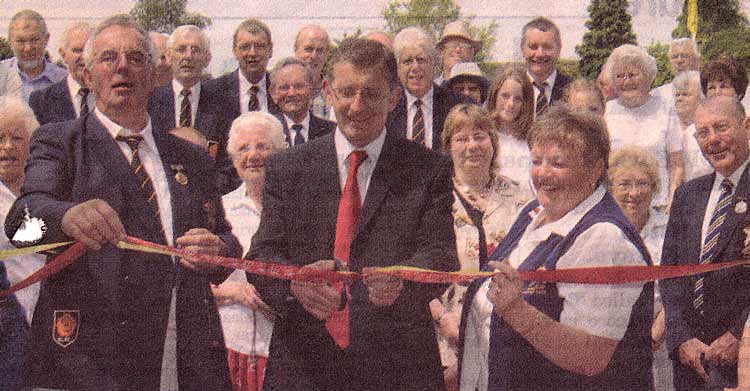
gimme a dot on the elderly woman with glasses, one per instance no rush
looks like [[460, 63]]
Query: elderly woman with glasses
[[639, 117], [633, 181], [247, 321], [562, 336]]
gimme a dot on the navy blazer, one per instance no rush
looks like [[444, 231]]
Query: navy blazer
[[558, 89], [53, 103], [726, 296], [405, 219], [228, 88], [443, 101], [210, 120], [122, 297], [318, 127]]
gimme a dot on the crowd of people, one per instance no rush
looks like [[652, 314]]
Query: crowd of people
[[399, 152]]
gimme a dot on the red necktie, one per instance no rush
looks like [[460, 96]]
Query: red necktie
[[349, 207]]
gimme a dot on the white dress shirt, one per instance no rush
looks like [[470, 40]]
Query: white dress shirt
[[411, 111], [10, 82], [364, 173], [236, 319], [547, 90], [245, 93], [514, 160], [305, 128], [713, 198], [73, 88], [195, 96]]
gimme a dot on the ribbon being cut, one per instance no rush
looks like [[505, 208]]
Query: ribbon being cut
[[587, 275]]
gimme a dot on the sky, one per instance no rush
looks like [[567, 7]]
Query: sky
[[653, 20]]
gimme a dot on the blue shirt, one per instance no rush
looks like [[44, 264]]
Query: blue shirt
[[52, 74]]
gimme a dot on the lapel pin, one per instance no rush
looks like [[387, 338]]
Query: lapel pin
[[179, 175], [740, 207]]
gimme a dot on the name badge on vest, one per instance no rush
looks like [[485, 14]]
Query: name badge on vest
[[65, 327], [179, 175]]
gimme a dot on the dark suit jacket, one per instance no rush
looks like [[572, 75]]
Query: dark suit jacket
[[318, 127], [210, 120], [122, 297], [405, 219], [443, 101], [53, 104], [228, 86], [726, 295]]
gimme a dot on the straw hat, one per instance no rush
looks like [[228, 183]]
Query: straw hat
[[458, 29]]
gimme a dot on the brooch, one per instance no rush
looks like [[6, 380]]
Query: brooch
[[179, 175]]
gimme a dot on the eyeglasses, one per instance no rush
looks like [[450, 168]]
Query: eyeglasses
[[258, 47], [635, 185], [134, 58], [296, 86], [418, 60], [183, 49], [366, 94], [478, 137], [718, 129], [451, 45], [34, 41]]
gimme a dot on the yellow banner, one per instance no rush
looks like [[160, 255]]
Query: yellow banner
[[692, 17]]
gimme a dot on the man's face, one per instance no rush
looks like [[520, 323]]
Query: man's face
[[291, 90], [14, 149], [722, 138], [605, 86], [312, 47], [469, 88], [415, 70], [72, 53], [361, 99], [252, 52], [121, 75], [28, 43], [162, 72], [455, 50], [188, 57], [540, 51], [683, 58]]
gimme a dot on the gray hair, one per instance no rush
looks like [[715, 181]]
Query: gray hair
[[256, 118], [122, 20], [311, 27], [683, 80], [634, 55], [71, 28], [189, 28], [634, 156], [14, 108], [28, 14], [414, 36], [685, 41], [292, 61]]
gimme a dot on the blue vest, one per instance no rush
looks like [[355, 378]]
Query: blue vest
[[515, 365]]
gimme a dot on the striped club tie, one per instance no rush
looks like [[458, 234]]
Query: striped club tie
[[139, 171], [541, 100], [417, 124], [708, 252], [186, 111]]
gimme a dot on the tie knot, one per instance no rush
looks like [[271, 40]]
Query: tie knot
[[356, 158], [418, 103], [297, 127], [133, 140], [540, 86], [83, 91], [185, 92], [726, 185], [253, 90]]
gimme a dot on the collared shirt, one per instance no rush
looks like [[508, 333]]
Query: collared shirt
[[21, 266], [10, 82], [244, 93], [305, 128], [149, 155], [73, 88], [713, 198], [364, 173], [51, 75], [411, 111], [236, 319], [194, 98], [548, 89]]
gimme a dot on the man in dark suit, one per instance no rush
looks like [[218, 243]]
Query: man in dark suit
[[421, 112], [541, 44], [193, 108], [381, 337], [248, 87], [110, 320], [292, 84], [708, 223], [64, 100]]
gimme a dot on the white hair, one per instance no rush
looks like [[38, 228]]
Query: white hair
[[253, 119], [189, 28], [71, 28], [633, 55], [414, 36], [683, 80], [13, 108], [122, 20]]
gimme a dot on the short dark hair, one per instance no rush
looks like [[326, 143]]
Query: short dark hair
[[252, 26], [542, 24], [366, 54], [723, 68]]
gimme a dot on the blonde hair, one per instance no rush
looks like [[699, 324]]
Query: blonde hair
[[633, 156], [474, 116]]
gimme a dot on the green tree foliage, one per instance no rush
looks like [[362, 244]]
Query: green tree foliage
[[661, 53], [722, 29], [165, 15], [432, 16], [5, 50], [609, 26]]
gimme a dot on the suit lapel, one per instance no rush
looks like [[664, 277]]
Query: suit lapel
[[234, 93], [439, 113], [64, 96], [326, 187], [398, 117], [384, 172]]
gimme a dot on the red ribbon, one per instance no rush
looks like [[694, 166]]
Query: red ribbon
[[50, 269]]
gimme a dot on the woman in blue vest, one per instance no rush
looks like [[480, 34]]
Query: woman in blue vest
[[544, 336]]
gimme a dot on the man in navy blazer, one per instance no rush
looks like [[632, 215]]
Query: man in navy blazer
[[405, 219], [292, 84], [63, 100], [110, 321], [541, 44], [415, 52], [706, 314], [189, 54]]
